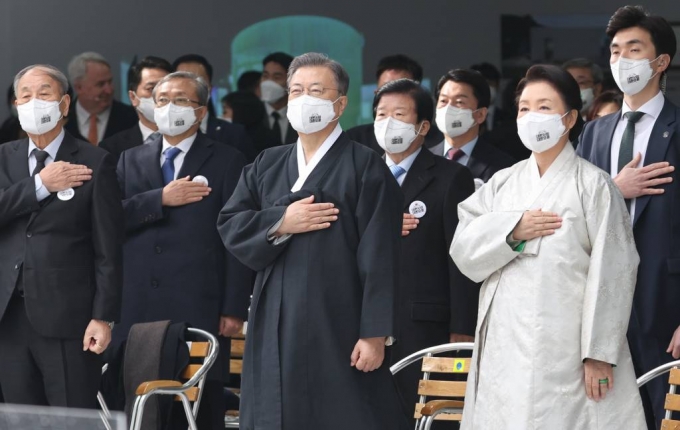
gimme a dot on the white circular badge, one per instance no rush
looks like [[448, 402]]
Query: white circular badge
[[66, 194], [417, 209], [202, 179]]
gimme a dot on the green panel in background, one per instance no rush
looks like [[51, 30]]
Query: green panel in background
[[296, 35]]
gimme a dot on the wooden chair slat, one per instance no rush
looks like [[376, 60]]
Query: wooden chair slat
[[235, 367], [440, 417], [446, 365], [199, 349], [670, 425], [192, 395], [237, 347], [674, 378], [672, 402], [190, 371], [442, 388]]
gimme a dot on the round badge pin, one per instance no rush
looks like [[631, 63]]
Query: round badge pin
[[66, 194], [417, 209], [202, 179]]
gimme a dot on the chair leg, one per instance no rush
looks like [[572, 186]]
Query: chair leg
[[105, 420], [423, 420], [102, 403], [429, 422], [187, 410], [138, 412]]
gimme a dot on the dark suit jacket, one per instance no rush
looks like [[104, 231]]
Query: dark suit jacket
[[485, 160], [69, 252], [122, 141], [122, 117], [655, 223], [233, 135], [291, 134], [176, 266], [365, 135]]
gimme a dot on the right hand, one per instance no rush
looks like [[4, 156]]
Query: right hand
[[305, 215], [536, 224], [60, 175], [639, 181], [182, 192], [410, 223]]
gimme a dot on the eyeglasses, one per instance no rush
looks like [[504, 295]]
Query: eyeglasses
[[314, 90], [178, 101]]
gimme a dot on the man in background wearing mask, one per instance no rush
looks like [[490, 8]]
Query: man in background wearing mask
[[436, 303], [463, 98], [495, 116], [95, 115], [320, 221], [142, 78], [640, 147], [175, 265], [273, 93], [589, 77], [61, 234]]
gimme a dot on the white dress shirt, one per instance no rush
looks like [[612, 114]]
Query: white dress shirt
[[405, 164], [283, 119], [146, 131], [184, 147], [467, 150], [83, 117], [643, 131], [41, 191]]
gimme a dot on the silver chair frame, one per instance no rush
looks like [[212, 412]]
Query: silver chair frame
[[197, 380], [424, 423], [661, 370]]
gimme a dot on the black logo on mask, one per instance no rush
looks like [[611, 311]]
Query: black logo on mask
[[314, 118], [397, 140], [634, 78], [456, 124], [542, 135], [179, 122], [45, 119]]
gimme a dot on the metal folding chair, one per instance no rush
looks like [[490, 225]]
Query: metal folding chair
[[672, 399]]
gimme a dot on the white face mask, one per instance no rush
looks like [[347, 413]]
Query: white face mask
[[587, 97], [632, 76], [394, 136], [39, 116], [539, 131], [271, 91], [309, 114], [173, 120], [146, 107], [454, 121]]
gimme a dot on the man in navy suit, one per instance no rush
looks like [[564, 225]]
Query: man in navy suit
[[639, 146], [175, 265], [217, 129]]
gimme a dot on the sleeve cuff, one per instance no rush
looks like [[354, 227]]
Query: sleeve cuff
[[277, 240], [41, 192]]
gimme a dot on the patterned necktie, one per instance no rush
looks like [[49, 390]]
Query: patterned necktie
[[397, 171], [454, 154], [93, 135], [40, 157], [168, 167], [152, 137], [628, 139], [276, 128]]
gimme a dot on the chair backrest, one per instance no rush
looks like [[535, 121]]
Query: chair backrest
[[202, 355], [238, 344], [442, 389], [672, 402]]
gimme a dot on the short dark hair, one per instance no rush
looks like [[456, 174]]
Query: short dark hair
[[606, 97], [584, 63], [195, 58], [402, 63], [565, 85], [280, 58], [248, 110], [421, 97], [662, 34], [150, 62], [480, 88], [249, 80], [488, 70]]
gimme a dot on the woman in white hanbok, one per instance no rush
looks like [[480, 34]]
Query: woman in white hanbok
[[551, 238]]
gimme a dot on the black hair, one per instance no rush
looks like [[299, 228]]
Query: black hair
[[421, 97], [402, 63], [280, 58], [662, 34], [150, 62], [195, 58], [249, 80], [565, 85], [480, 87], [248, 109], [489, 71], [605, 98]]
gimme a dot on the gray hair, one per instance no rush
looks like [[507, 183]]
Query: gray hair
[[50, 71], [77, 68], [202, 90], [314, 59], [585, 63]]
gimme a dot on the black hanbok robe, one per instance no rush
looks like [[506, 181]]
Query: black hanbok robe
[[317, 293]]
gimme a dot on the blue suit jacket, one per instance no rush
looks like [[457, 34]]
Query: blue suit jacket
[[656, 222]]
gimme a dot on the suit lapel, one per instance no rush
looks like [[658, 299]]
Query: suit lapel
[[604, 151], [152, 152], [662, 134], [200, 152], [475, 163], [418, 176], [18, 166]]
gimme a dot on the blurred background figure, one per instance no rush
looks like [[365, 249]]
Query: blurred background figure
[[246, 109], [11, 129], [606, 103], [250, 81]]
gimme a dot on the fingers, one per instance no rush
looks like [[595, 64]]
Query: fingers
[[595, 388], [635, 161], [604, 388], [355, 356], [322, 207], [655, 182], [652, 191], [663, 166], [308, 200]]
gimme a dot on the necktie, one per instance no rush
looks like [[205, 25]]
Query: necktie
[[40, 157], [276, 128], [152, 137], [168, 167], [626, 150], [454, 154], [397, 171], [93, 135]]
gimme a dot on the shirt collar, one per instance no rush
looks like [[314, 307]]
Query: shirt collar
[[184, 145], [84, 116], [204, 124], [282, 112], [406, 163], [146, 131], [652, 108], [51, 149], [467, 148]]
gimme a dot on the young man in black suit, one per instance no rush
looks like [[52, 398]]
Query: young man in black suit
[[463, 98], [61, 233], [640, 147], [275, 97], [436, 304]]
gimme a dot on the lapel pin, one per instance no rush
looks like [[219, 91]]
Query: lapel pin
[[66, 195], [417, 209], [202, 179], [665, 134]]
